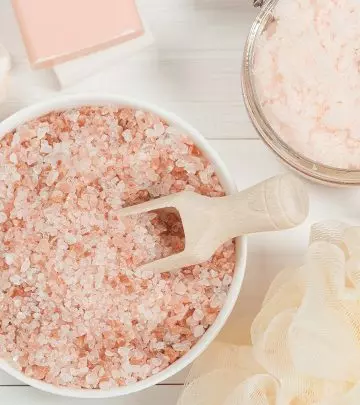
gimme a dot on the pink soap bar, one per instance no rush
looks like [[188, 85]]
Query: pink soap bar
[[56, 31]]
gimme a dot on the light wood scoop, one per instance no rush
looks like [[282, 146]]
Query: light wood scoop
[[273, 205]]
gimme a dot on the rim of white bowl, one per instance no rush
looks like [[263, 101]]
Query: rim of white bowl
[[72, 101]]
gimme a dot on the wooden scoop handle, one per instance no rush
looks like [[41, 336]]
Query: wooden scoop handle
[[275, 204]]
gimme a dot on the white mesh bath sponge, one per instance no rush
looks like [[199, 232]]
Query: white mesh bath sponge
[[305, 339]]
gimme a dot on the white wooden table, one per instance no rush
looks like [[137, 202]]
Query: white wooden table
[[194, 70]]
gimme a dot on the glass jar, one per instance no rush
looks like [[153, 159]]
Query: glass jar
[[311, 169]]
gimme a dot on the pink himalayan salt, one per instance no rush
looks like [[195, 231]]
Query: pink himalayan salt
[[74, 310], [307, 78]]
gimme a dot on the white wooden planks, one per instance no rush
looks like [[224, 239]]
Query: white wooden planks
[[166, 395]]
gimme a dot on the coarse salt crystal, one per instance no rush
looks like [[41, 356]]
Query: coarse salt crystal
[[88, 315], [55, 317], [92, 379], [227, 280], [25, 265], [216, 282], [3, 217], [159, 346], [215, 302], [81, 371], [17, 303], [198, 315], [180, 288], [105, 385], [13, 158], [70, 239], [51, 178], [21, 316], [45, 147], [127, 135], [123, 351], [198, 331], [181, 347], [109, 353], [15, 140], [66, 377], [41, 131], [101, 372], [147, 274], [116, 374], [15, 279]]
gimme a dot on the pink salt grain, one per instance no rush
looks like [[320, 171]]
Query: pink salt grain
[[307, 78], [3, 217], [75, 310]]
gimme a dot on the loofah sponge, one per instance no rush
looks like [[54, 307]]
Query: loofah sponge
[[306, 338]]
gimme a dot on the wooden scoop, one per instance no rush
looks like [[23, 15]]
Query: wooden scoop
[[273, 205]]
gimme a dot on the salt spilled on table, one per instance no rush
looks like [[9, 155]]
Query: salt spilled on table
[[74, 310], [307, 78]]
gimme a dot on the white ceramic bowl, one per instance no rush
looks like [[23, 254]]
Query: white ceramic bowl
[[96, 100]]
